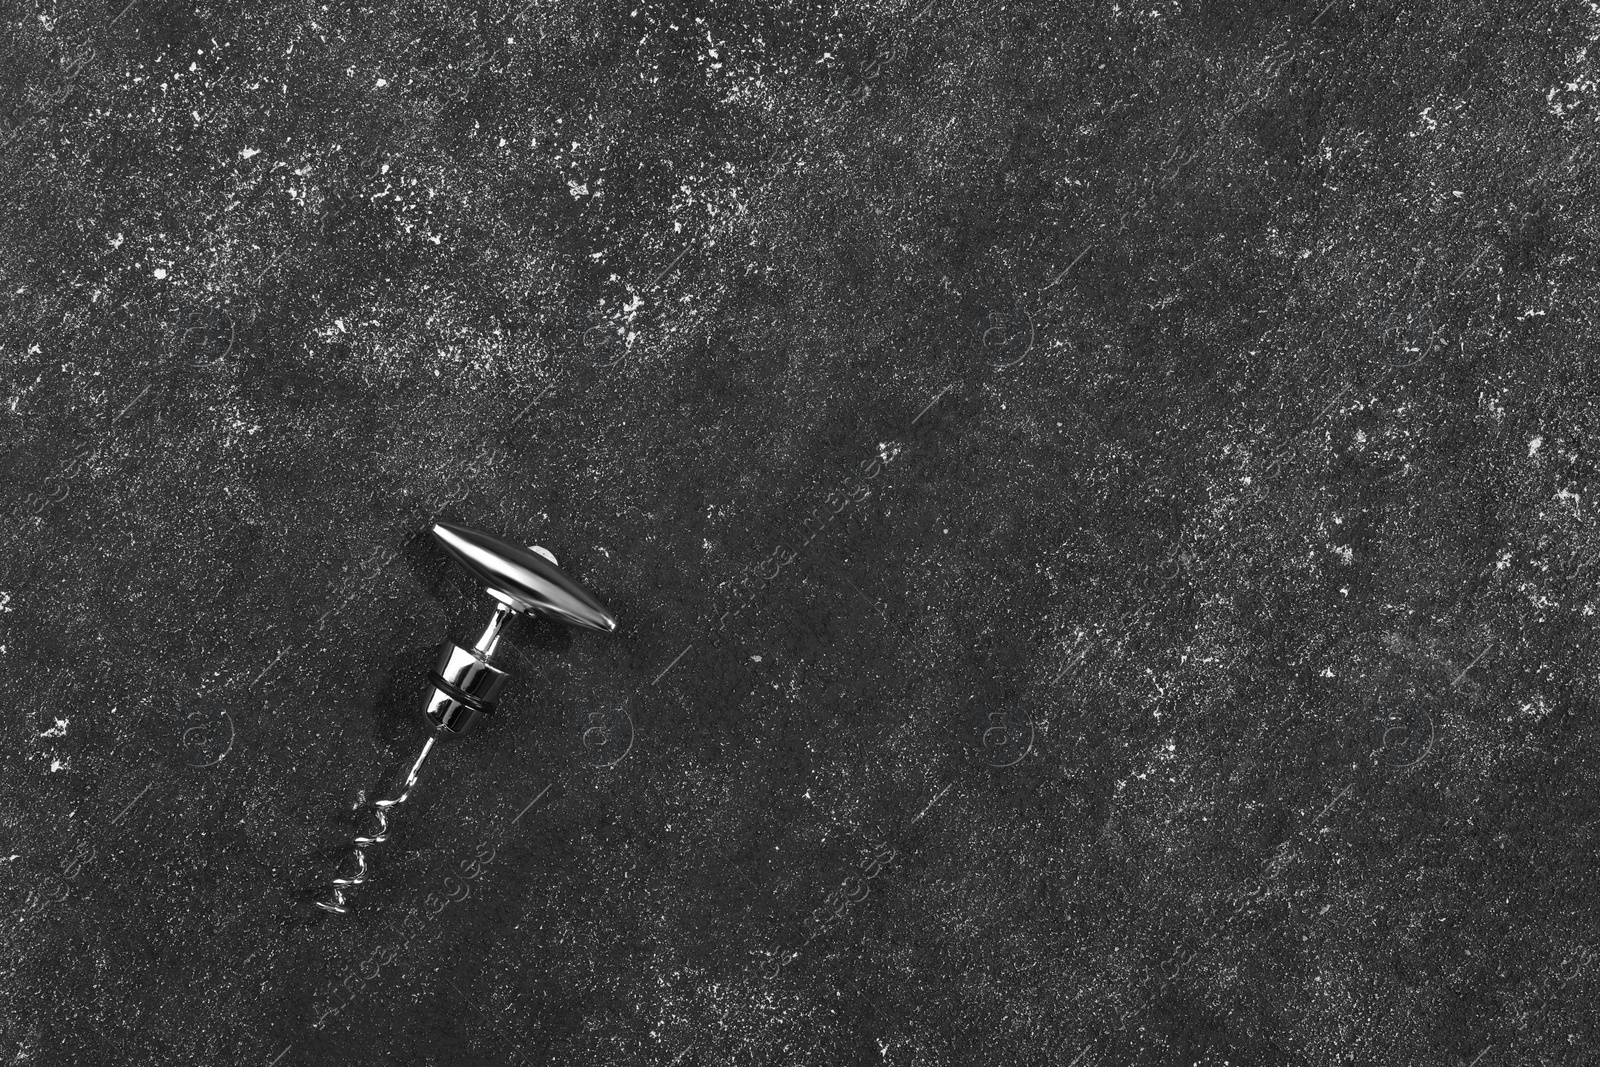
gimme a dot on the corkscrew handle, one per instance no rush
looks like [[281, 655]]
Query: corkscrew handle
[[523, 579]]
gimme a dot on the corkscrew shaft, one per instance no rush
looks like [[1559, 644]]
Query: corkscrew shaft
[[336, 902]]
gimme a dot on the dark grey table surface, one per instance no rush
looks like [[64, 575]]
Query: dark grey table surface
[[1099, 500]]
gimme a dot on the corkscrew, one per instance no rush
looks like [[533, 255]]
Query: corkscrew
[[465, 684]]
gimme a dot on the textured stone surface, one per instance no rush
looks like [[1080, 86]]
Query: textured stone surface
[[1098, 499]]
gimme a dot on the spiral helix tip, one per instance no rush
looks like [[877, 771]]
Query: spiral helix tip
[[337, 901]]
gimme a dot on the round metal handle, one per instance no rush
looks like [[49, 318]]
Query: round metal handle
[[523, 579]]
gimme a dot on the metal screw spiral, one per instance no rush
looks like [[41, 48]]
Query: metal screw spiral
[[336, 902]]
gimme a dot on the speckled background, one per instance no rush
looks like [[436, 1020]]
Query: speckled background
[[1099, 500]]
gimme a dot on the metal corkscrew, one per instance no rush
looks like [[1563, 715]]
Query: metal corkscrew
[[465, 684]]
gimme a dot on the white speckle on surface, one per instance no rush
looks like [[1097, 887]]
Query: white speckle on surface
[[382, 82], [59, 730], [248, 152], [160, 273], [60, 765], [1534, 446], [756, 658]]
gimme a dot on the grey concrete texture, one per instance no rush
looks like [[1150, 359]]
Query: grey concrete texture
[[1098, 500]]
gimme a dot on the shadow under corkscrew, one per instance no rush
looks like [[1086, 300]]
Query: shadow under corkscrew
[[336, 901]]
